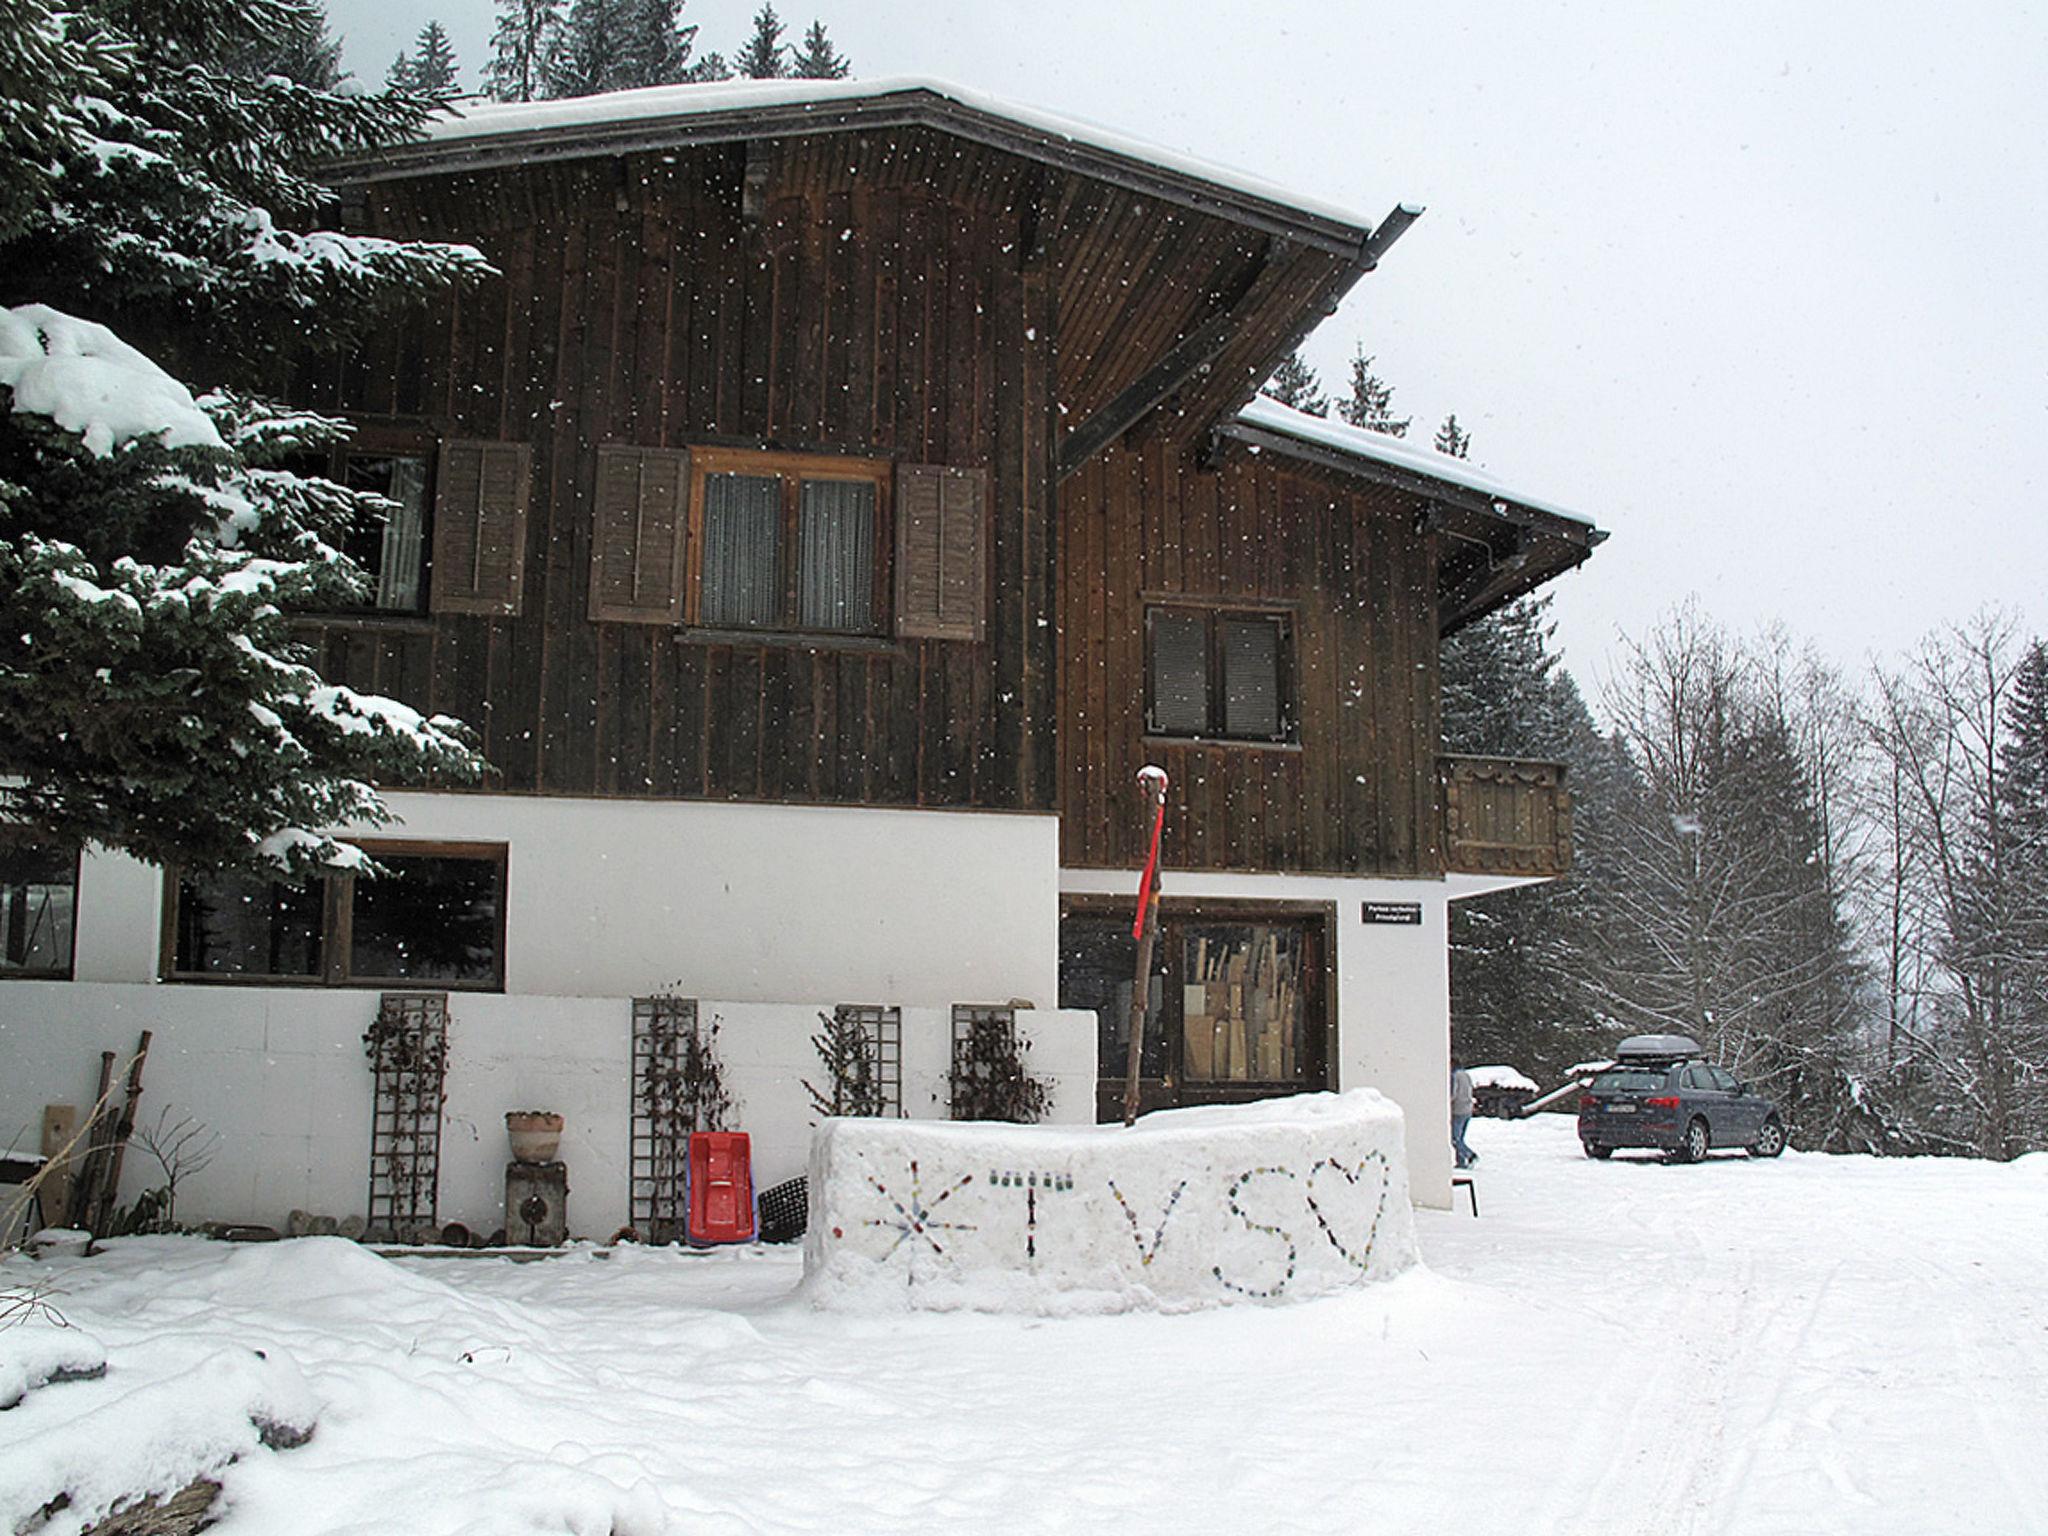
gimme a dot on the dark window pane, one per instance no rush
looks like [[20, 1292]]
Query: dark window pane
[[836, 550], [429, 919], [248, 926], [392, 549], [38, 891], [1180, 672], [1251, 677], [1242, 1008], [1097, 959], [742, 581]]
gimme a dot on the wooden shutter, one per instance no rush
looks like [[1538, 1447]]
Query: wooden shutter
[[941, 568], [480, 501], [1251, 650], [636, 552], [1180, 672]]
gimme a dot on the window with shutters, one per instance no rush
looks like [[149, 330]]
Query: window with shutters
[[1218, 673], [784, 542], [452, 537]]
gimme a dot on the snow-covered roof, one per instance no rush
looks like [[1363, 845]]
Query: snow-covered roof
[[828, 105], [1501, 1077], [1270, 415]]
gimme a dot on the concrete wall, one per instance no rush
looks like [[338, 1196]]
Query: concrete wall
[[1393, 993], [280, 1074], [617, 898]]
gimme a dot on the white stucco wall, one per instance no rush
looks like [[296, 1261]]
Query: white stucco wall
[[1393, 992], [280, 1075], [751, 902]]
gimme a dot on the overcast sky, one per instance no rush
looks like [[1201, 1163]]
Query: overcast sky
[[1757, 286]]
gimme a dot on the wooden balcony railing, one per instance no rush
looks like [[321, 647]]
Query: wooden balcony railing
[[1505, 816]]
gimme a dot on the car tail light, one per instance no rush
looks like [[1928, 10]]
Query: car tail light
[[1586, 1105], [1670, 1102]]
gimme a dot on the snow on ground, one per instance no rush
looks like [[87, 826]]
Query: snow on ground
[[1807, 1345]]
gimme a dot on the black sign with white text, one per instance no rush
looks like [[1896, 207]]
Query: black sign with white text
[[1405, 912]]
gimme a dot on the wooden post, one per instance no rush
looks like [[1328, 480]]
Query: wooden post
[[60, 1133], [1145, 930]]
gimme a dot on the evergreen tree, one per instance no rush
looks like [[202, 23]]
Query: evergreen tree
[[1295, 383], [712, 66], [523, 49], [433, 64], [620, 45], [1371, 401], [403, 77], [301, 49], [656, 46], [1453, 439], [151, 546], [764, 56], [818, 59], [1519, 957]]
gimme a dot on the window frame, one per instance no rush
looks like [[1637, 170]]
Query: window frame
[[388, 440], [18, 836], [792, 469], [1213, 614], [337, 926]]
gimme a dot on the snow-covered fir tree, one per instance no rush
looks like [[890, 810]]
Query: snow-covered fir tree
[[429, 70], [817, 59], [1370, 404], [523, 49], [158, 223], [1453, 439], [1295, 383], [764, 56], [619, 45]]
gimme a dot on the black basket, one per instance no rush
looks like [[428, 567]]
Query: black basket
[[785, 1211]]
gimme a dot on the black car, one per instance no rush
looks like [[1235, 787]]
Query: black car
[[1658, 1093]]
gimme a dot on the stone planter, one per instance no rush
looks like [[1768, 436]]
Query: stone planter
[[536, 1135]]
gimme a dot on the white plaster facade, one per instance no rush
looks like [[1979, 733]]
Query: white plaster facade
[[766, 914]]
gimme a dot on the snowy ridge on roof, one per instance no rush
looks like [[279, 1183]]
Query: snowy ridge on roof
[[1271, 416], [660, 102]]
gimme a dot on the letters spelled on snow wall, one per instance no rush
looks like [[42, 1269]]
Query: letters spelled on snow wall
[[480, 505], [941, 564], [636, 560]]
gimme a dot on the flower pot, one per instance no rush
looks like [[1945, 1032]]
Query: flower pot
[[536, 1135]]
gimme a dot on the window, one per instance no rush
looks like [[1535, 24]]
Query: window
[[787, 541], [1219, 673], [38, 905], [436, 918], [454, 540]]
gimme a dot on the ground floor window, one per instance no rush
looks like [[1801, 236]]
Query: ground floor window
[[436, 915], [1236, 1006], [38, 905]]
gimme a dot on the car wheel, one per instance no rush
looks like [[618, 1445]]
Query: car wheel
[[1770, 1141], [1597, 1152], [1694, 1148]]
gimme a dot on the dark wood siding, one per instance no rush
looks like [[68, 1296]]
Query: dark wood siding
[[640, 305], [1356, 792]]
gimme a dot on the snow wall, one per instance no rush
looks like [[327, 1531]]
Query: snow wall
[[1274, 1201]]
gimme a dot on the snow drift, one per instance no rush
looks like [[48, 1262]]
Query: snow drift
[[1275, 1201]]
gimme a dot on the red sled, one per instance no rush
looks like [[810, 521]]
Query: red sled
[[721, 1189]]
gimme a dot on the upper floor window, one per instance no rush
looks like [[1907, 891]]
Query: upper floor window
[[437, 917], [1219, 673], [740, 540], [454, 536], [38, 905]]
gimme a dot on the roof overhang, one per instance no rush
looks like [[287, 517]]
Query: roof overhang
[[671, 117], [1505, 545]]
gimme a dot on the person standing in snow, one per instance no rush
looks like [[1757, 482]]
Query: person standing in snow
[[1461, 1113]]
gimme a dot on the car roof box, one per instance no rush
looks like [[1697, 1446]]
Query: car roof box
[[1656, 1048]]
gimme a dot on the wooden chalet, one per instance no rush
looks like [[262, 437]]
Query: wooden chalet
[[868, 447]]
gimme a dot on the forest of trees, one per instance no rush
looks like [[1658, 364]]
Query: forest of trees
[[1837, 883]]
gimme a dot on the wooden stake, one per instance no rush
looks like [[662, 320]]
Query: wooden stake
[[1147, 929]]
